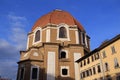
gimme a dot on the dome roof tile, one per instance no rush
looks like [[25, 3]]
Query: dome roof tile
[[57, 17]]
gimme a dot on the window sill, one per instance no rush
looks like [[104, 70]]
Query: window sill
[[113, 53], [64, 75], [107, 70], [104, 57], [99, 72], [63, 39], [117, 67], [34, 43]]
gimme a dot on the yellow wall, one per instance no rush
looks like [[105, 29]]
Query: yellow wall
[[110, 58], [112, 72]]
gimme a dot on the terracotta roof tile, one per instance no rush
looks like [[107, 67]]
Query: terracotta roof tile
[[57, 17]]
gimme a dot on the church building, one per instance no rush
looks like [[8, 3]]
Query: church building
[[56, 41]]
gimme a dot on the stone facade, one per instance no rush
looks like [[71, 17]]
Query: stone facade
[[56, 41]]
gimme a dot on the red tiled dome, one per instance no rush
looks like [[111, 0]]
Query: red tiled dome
[[57, 17]]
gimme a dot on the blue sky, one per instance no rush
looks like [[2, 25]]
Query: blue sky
[[100, 18]]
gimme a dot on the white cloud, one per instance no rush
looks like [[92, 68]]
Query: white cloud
[[3, 43], [9, 48], [16, 18], [17, 21], [19, 37], [18, 34], [9, 55], [8, 51], [8, 69]]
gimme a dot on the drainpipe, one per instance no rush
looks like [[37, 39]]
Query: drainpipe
[[80, 71], [101, 63]]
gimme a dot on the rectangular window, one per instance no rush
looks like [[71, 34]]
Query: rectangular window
[[113, 49], [104, 54], [22, 71], [84, 62], [83, 74], [87, 73], [88, 61], [92, 58], [97, 56], [64, 71], [34, 74], [90, 71], [99, 69], [83, 38], [118, 77], [109, 78], [116, 64], [106, 67], [81, 64], [94, 71], [101, 78]]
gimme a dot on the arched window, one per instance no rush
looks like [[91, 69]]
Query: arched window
[[63, 54], [62, 32], [37, 36], [22, 71]]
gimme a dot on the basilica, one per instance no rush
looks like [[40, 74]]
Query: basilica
[[58, 48]]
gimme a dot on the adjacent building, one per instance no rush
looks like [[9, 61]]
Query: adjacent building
[[103, 63]]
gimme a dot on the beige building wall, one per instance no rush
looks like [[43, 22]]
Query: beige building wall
[[109, 61], [112, 71]]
